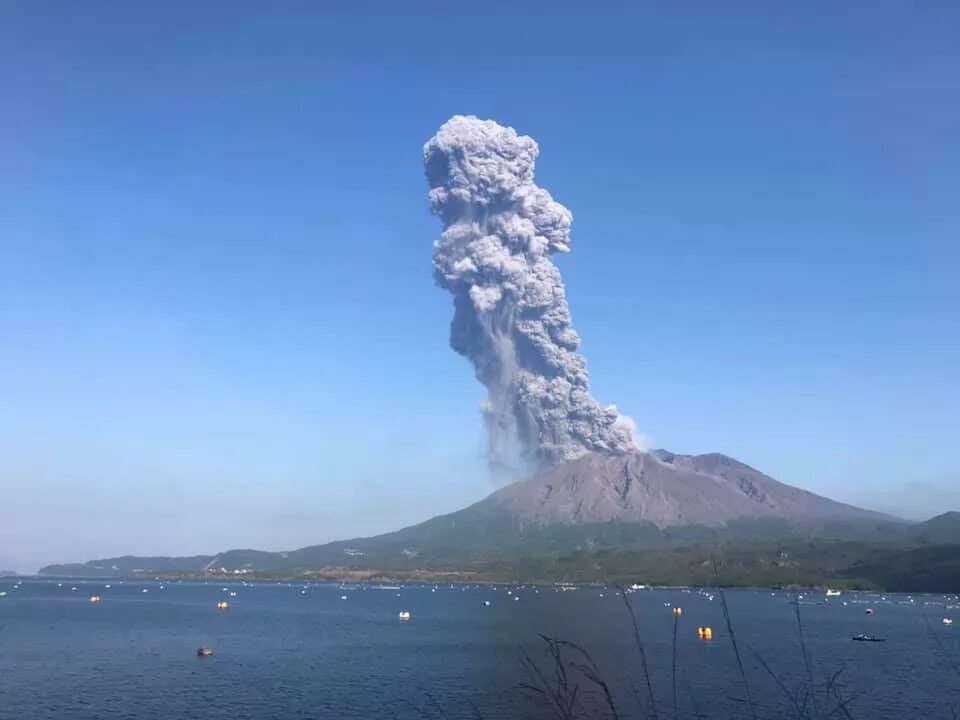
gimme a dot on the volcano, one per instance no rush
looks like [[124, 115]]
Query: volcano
[[662, 489]]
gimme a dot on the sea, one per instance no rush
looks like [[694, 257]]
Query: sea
[[293, 650]]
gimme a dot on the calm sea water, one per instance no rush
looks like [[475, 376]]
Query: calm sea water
[[290, 651]]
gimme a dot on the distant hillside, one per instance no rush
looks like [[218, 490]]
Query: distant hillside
[[477, 534], [128, 565], [924, 569], [596, 506], [941, 530]]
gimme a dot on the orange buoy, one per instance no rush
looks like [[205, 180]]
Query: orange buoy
[[95, 599], [705, 633], [223, 605], [678, 611]]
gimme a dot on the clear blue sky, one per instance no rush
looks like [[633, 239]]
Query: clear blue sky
[[218, 326]]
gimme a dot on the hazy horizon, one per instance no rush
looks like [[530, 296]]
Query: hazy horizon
[[219, 323]]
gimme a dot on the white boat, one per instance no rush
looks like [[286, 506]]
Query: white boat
[[947, 621], [404, 615], [833, 593]]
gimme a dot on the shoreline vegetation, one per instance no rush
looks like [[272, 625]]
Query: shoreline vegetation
[[884, 556], [836, 565]]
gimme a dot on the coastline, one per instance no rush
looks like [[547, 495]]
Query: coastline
[[346, 575]]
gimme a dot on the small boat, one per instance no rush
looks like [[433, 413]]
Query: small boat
[[947, 621], [404, 615], [862, 637], [833, 593], [204, 651]]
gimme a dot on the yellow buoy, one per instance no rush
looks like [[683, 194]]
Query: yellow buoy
[[95, 599], [705, 633], [678, 611]]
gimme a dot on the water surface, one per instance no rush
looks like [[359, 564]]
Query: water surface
[[293, 651]]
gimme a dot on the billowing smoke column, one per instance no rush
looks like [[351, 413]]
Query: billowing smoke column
[[511, 315]]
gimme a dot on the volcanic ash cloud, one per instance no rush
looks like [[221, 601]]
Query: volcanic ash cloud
[[511, 318]]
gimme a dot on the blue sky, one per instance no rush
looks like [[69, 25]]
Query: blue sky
[[218, 326]]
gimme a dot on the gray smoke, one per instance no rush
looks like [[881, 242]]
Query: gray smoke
[[511, 316]]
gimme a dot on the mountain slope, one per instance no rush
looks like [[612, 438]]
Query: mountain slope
[[665, 490], [940, 530]]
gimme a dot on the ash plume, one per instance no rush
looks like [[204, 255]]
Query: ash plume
[[511, 318]]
